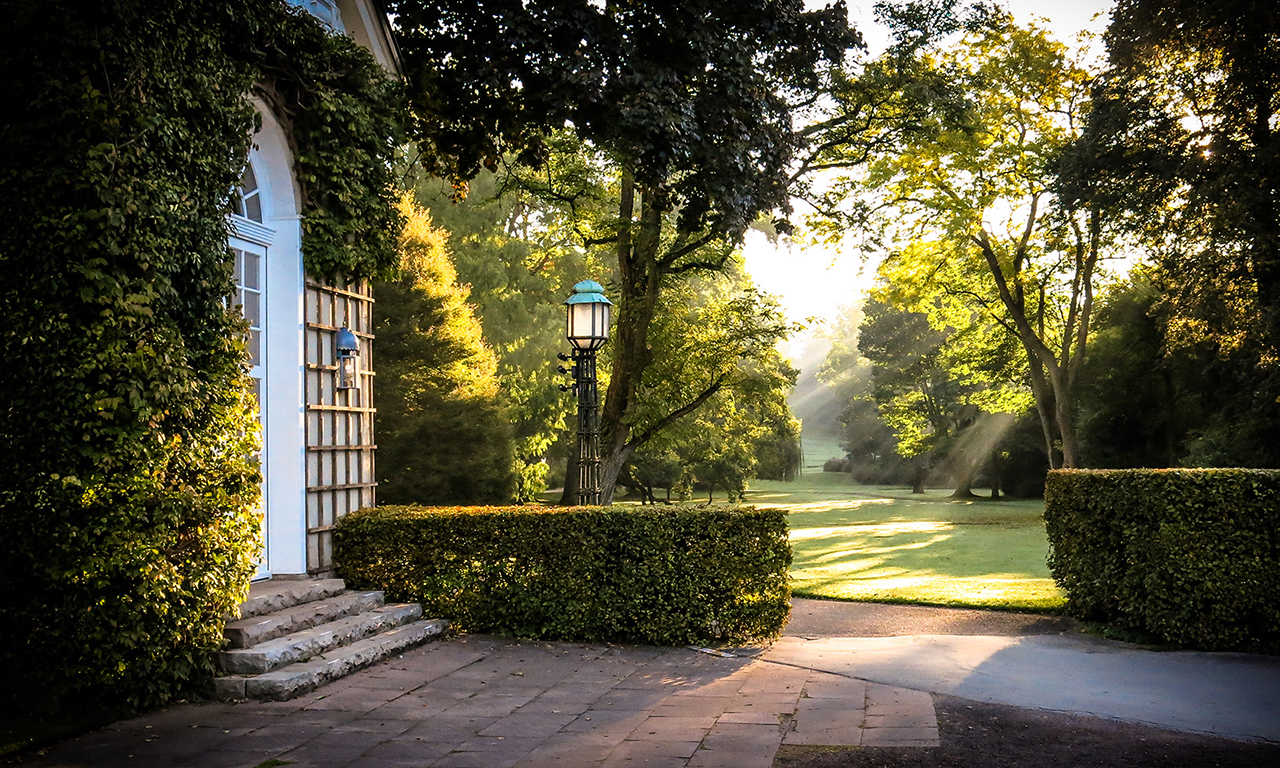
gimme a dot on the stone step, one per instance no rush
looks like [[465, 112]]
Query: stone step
[[278, 594], [246, 633], [296, 679], [303, 645]]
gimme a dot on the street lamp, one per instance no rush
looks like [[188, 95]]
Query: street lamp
[[587, 329]]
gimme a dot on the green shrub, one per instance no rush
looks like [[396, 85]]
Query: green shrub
[[1189, 556], [664, 575]]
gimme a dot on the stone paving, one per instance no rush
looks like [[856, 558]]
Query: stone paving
[[493, 703]]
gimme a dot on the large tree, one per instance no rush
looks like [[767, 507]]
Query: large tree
[[1189, 133], [520, 260], [691, 102], [979, 181], [438, 390], [1184, 137]]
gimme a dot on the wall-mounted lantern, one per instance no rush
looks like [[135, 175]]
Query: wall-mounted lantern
[[348, 359]]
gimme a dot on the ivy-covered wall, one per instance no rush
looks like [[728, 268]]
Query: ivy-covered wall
[[127, 513]]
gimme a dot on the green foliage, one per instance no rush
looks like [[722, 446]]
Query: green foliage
[[716, 392], [946, 381], [130, 519], [666, 575], [1189, 556], [663, 85], [696, 139], [442, 435], [343, 113], [519, 263], [1182, 137], [968, 185]]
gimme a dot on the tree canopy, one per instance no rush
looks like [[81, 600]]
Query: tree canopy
[[442, 434], [976, 179], [688, 105]]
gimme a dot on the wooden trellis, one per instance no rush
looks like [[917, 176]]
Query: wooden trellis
[[339, 422]]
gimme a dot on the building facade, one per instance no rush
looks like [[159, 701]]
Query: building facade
[[317, 455]]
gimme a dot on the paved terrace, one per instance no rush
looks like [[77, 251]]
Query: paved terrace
[[493, 703], [845, 675]]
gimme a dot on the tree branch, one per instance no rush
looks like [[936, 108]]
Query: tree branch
[[679, 413]]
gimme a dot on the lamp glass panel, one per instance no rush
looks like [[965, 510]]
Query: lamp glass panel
[[588, 325], [348, 372]]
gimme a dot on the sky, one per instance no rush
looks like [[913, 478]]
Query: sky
[[816, 282]]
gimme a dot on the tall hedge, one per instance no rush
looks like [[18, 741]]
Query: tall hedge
[[665, 575], [127, 514], [1191, 556]]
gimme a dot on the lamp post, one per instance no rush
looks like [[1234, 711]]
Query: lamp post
[[587, 329]]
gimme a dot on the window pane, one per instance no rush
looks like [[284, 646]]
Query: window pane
[[250, 270], [255, 348], [251, 308], [253, 208], [248, 182]]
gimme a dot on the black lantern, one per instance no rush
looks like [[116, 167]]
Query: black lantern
[[348, 359]]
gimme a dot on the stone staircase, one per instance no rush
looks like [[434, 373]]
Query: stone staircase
[[294, 636]]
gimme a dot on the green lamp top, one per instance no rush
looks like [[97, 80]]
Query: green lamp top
[[588, 292]]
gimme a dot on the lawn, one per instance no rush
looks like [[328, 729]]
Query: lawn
[[855, 542]]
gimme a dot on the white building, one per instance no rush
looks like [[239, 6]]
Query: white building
[[317, 456]]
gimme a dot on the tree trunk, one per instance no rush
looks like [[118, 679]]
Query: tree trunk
[[917, 475], [1066, 426], [639, 283], [995, 473], [569, 496], [638, 286]]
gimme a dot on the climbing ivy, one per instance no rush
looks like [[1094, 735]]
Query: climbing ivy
[[342, 113], [128, 513]]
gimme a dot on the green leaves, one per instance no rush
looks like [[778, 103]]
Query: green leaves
[[438, 390], [1189, 556], [665, 575], [131, 516]]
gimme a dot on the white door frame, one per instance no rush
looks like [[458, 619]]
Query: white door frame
[[283, 401]]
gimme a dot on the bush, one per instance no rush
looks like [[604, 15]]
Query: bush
[[664, 575], [836, 465], [1189, 556]]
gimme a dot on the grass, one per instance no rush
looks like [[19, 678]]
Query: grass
[[853, 542]]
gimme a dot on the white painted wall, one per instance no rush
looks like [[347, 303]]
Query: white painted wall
[[285, 429]]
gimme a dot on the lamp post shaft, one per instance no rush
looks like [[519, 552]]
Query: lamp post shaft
[[588, 429]]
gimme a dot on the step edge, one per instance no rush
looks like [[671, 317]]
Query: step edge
[[255, 659], [317, 668], [311, 591], [246, 633]]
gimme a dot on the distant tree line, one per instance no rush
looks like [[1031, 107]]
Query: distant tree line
[[1021, 178]]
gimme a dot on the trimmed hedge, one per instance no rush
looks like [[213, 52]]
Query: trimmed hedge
[[1189, 556], [664, 575]]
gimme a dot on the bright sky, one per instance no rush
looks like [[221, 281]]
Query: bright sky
[[816, 281]]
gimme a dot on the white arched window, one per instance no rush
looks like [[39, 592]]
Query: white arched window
[[249, 251], [248, 243]]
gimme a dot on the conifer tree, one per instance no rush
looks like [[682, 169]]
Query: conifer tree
[[442, 435]]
